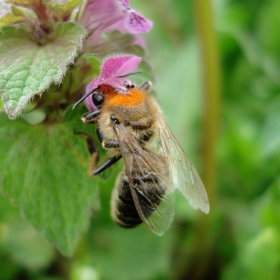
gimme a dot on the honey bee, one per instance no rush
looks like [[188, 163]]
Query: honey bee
[[131, 126]]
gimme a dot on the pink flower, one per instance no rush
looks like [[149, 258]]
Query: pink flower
[[133, 22], [117, 14], [113, 72], [100, 14]]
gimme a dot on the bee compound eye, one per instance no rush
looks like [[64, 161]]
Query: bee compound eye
[[97, 99]]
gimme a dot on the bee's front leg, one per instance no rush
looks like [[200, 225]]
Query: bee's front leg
[[107, 143], [91, 117]]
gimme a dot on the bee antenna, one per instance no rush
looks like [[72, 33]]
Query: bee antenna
[[83, 98], [131, 73]]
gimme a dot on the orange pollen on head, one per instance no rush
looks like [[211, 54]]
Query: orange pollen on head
[[133, 98]]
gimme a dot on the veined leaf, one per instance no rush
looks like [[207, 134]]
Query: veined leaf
[[27, 68], [43, 168]]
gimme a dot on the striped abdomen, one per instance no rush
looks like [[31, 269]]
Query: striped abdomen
[[123, 209]]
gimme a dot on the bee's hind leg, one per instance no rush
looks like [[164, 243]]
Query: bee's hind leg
[[107, 144], [94, 151], [109, 162], [92, 148]]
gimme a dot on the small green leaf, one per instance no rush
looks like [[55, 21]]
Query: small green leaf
[[10, 19], [34, 117], [23, 3], [113, 246], [27, 68], [64, 9], [44, 170], [87, 68], [94, 61], [115, 42], [25, 13], [27, 246]]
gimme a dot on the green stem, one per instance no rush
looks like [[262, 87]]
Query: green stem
[[212, 92], [203, 245]]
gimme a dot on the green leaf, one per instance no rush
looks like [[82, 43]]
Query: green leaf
[[28, 68], [115, 42], [10, 19], [95, 63], [27, 246], [44, 170], [34, 117], [114, 246], [270, 137], [64, 9], [23, 3], [86, 68], [259, 258]]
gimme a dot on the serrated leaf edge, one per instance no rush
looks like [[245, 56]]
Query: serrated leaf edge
[[31, 96]]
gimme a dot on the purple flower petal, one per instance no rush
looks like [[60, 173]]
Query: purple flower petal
[[132, 23], [137, 23], [108, 15], [111, 71], [126, 3], [119, 66], [99, 14]]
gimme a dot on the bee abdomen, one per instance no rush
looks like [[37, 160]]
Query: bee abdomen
[[123, 209]]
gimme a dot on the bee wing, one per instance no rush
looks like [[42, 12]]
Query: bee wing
[[148, 178], [183, 175]]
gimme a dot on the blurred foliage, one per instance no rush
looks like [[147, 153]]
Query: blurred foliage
[[243, 232]]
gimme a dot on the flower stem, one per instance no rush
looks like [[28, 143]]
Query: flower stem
[[211, 91], [211, 75]]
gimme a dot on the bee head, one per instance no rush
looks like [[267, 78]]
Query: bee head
[[96, 95]]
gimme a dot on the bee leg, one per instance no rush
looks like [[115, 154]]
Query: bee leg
[[106, 165], [106, 143], [92, 148], [110, 144], [94, 151], [91, 117]]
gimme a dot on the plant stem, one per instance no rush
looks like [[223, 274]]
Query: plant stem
[[212, 92], [211, 75]]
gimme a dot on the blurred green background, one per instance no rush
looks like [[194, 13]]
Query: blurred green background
[[231, 131]]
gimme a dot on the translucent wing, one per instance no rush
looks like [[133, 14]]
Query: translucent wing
[[183, 175], [148, 176]]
